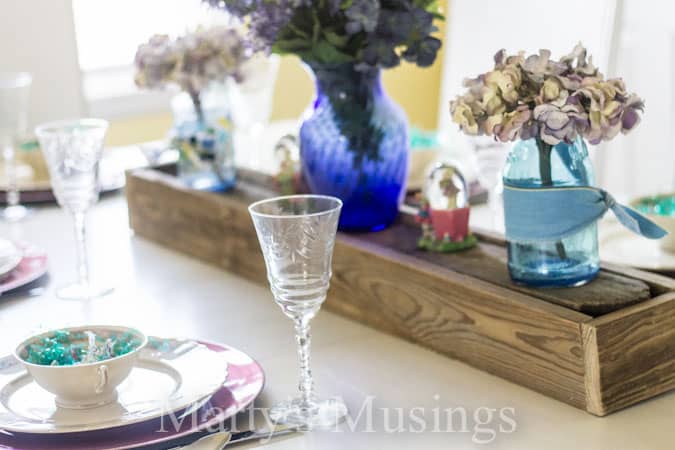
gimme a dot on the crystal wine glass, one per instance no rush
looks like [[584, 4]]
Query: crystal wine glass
[[297, 234], [72, 149], [14, 96], [490, 160]]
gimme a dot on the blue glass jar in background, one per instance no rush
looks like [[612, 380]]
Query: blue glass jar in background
[[354, 146], [204, 140], [572, 260]]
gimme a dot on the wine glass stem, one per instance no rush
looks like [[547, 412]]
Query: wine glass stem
[[306, 384], [10, 175], [81, 245]]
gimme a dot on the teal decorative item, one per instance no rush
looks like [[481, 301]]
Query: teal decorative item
[[660, 205], [661, 209], [548, 107], [67, 348], [572, 260], [203, 134]]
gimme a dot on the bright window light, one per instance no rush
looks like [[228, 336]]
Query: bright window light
[[108, 32]]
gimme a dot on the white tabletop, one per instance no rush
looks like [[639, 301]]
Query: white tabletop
[[166, 293]]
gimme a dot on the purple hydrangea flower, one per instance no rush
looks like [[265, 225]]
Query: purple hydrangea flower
[[367, 33], [554, 101], [362, 16], [191, 61]]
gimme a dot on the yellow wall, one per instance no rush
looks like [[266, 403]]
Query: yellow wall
[[415, 89], [132, 130]]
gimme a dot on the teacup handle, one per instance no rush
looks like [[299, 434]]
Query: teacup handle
[[102, 378]]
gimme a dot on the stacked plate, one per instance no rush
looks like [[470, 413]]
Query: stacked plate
[[178, 387], [20, 265], [33, 177], [620, 246], [10, 257]]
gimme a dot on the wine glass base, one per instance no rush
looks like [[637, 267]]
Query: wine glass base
[[77, 291], [14, 213], [318, 414]]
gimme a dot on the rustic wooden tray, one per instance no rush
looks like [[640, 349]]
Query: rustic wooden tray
[[599, 347]]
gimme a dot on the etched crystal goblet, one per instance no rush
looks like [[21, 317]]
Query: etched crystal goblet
[[297, 234], [72, 149], [14, 97]]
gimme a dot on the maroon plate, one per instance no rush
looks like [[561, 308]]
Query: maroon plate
[[32, 266], [245, 380]]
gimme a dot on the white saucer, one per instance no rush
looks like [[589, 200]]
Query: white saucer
[[620, 246], [10, 257], [172, 376]]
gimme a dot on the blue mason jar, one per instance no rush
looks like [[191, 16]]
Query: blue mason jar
[[204, 139], [572, 260], [354, 146]]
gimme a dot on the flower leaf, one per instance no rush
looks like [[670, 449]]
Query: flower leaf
[[291, 46], [326, 53], [336, 39]]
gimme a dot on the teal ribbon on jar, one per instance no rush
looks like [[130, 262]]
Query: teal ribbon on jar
[[549, 214]]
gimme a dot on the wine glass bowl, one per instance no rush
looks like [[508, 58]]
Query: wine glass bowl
[[72, 150], [14, 103], [490, 159], [297, 235]]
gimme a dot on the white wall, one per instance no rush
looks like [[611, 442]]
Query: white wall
[[632, 39], [643, 162], [38, 36], [477, 29]]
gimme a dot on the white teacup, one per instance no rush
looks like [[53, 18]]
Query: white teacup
[[85, 385]]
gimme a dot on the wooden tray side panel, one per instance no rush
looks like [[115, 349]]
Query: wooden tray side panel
[[463, 318], [200, 224], [630, 355], [658, 284]]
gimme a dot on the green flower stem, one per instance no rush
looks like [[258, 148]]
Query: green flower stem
[[547, 180], [197, 103]]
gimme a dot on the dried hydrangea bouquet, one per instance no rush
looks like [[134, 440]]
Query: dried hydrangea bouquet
[[198, 64], [550, 108], [354, 142], [191, 62]]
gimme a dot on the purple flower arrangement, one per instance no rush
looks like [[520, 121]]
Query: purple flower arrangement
[[366, 33], [552, 101]]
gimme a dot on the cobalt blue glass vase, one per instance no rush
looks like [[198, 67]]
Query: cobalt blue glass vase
[[572, 260], [354, 146]]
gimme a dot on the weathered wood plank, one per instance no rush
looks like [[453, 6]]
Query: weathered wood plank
[[210, 227], [658, 284], [630, 354], [487, 262]]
